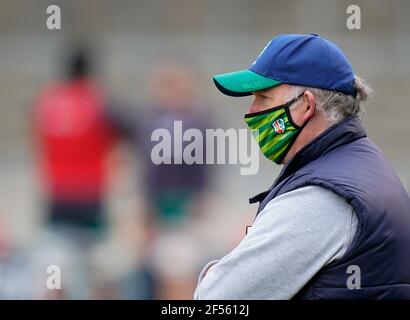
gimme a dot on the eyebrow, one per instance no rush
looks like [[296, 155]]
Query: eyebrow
[[262, 95]]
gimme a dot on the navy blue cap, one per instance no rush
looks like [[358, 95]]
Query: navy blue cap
[[304, 60]]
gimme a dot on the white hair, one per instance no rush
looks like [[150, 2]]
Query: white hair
[[336, 106]]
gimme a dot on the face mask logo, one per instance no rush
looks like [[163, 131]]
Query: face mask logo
[[279, 126], [274, 130]]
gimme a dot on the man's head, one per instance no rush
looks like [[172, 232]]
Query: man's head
[[173, 85], [317, 108], [78, 63], [306, 75]]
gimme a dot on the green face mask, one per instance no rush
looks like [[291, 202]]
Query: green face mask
[[274, 130]]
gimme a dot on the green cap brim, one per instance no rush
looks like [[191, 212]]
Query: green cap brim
[[242, 83]]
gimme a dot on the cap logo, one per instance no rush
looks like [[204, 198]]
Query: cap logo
[[263, 50], [253, 85], [279, 126]]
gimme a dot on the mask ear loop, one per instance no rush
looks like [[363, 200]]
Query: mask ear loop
[[287, 110], [299, 128]]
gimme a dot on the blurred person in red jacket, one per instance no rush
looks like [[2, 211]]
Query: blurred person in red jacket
[[75, 138]]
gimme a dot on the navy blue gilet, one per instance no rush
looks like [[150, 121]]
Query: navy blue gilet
[[343, 160]]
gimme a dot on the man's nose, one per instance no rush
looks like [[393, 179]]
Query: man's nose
[[253, 107]]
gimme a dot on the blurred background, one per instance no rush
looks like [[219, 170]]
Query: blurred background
[[78, 106]]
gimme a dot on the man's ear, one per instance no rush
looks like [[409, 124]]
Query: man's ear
[[309, 105]]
